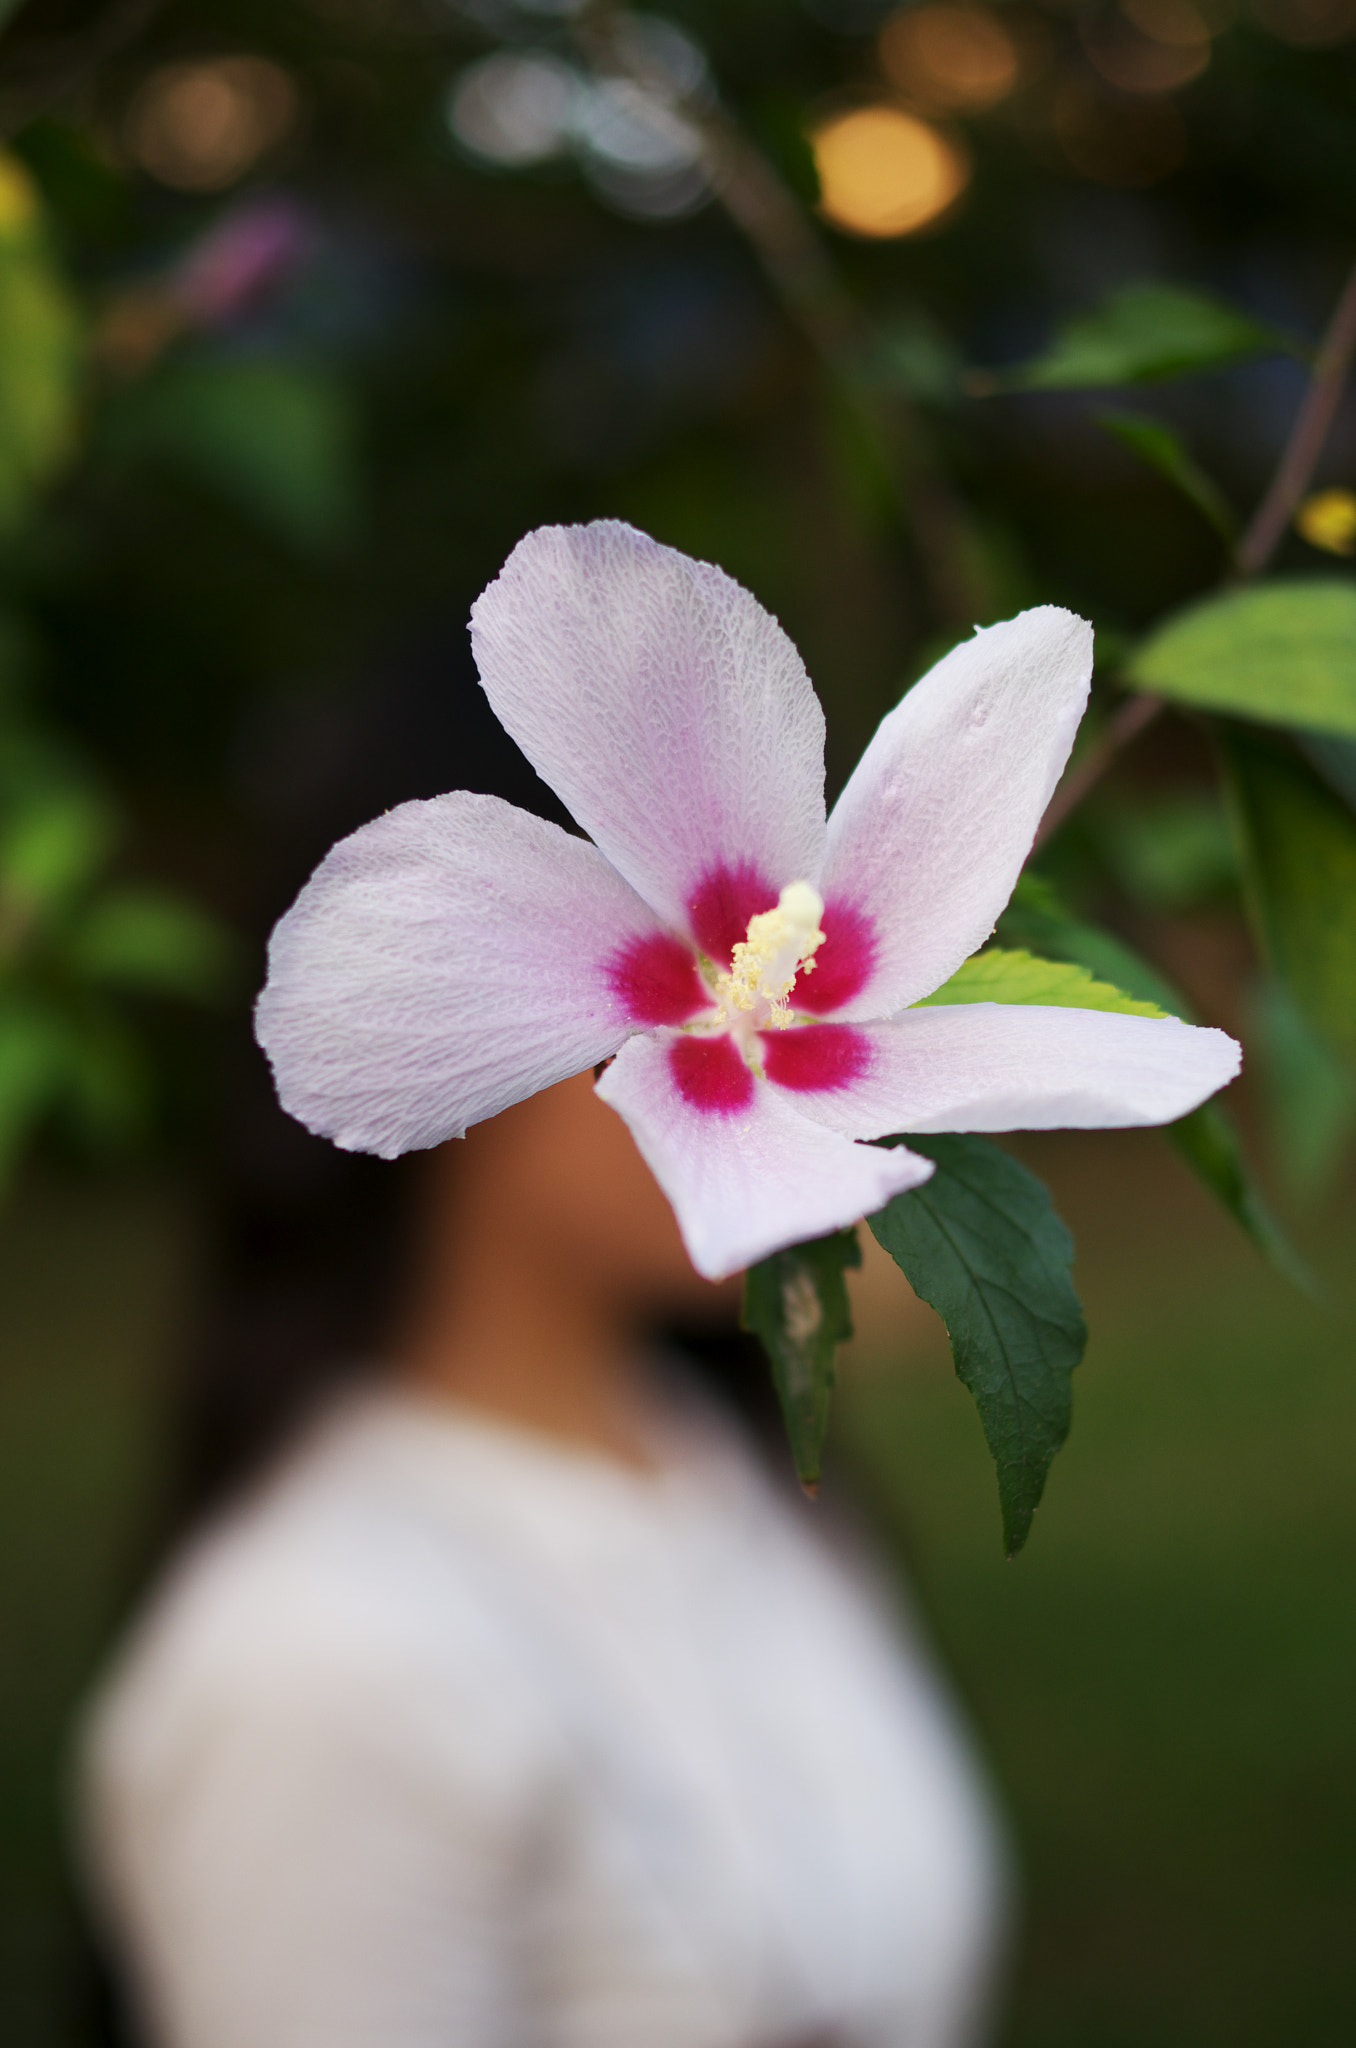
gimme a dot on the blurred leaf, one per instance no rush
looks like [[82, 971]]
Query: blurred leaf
[[1143, 332], [1000, 976], [107, 1095], [911, 353], [1284, 653], [1334, 759], [1208, 1138], [34, 1059], [796, 1304], [149, 939], [1309, 1092], [1168, 854], [1299, 859], [276, 439], [52, 845], [39, 350], [981, 1243], [1162, 449]]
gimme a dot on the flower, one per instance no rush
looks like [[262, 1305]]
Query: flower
[[751, 965]]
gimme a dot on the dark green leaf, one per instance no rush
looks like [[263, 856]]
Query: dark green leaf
[[34, 1060], [1162, 449], [276, 439], [1284, 653], [40, 358], [149, 939], [1143, 332], [1334, 759], [1299, 856], [982, 1244], [1208, 1138], [796, 1303], [1209, 1141], [1310, 1095]]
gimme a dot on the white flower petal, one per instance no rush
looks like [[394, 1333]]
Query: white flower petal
[[1019, 1067], [928, 839], [665, 707], [746, 1174], [445, 961]]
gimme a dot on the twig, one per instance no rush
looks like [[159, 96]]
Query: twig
[[1126, 724], [810, 287], [1308, 437], [1299, 458]]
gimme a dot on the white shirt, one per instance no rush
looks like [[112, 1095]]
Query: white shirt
[[455, 1737]]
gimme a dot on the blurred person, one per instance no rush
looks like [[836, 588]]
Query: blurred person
[[500, 1693], [515, 1703]]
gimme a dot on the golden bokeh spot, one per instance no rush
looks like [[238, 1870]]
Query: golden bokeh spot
[[200, 126], [1328, 521], [951, 54], [1175, 23], [884, 172], [18, 195]]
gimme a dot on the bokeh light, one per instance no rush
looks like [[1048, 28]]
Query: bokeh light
[[1327, 520], [514, 109], [952, 55], [1165, 46], [883, 172], [200, 126]]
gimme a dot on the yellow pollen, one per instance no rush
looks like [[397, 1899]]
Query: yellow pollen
[[779, 946]]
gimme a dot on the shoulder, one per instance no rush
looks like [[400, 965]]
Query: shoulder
[[329, 1619]]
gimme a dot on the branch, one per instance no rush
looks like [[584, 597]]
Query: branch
[[1299, 459], [1308, 437], [793, 257]]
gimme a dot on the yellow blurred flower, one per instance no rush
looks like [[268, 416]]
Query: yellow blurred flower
[[1328, 520]]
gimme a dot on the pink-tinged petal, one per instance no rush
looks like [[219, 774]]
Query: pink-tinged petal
[[747, 1180], [813, 1057], [1019, 1067], [662, 704], [845, 962], [928, 839], [445, 961], [719, 908], [711, 1074], [656, 980]]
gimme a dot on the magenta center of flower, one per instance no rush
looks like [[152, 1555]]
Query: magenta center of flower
[[744, 1003]]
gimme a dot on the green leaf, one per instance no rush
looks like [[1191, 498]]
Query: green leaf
[[149, 939], [40, 358], [1299, 860], [1334, 759], [275, 439], [1208, 1138], [1144, 332], [1038, 919], [1163, 450], [34, 1061], [796, 1303], [53, 844], [1168, 852], [981, 1243], [1281, 652], [1310, 1095], [1000, 976]]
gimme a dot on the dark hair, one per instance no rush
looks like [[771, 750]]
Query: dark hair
[[307, 1241]]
